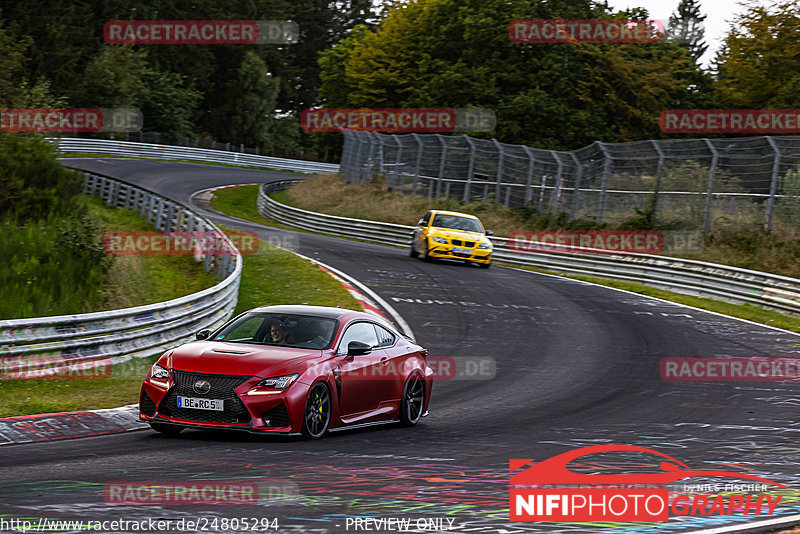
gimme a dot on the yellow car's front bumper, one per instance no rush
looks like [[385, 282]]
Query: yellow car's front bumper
[[483, 256]]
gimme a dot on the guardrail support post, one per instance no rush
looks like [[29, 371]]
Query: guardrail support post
[[170, 214], [773, 186], [159, 215], [711, 176]]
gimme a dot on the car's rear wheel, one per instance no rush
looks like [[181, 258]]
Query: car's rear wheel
[[169, 430], [411, 403], [317, 414], [484, 265]]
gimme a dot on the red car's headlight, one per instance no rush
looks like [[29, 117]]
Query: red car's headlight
[[161, 373], [278, 382]]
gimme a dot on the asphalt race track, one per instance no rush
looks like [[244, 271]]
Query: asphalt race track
[[569, 365]]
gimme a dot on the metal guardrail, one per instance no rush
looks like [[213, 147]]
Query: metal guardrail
[[74, 145], [142, 331], [721, 282]]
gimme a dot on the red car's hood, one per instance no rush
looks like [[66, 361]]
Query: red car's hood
[[216, 357]]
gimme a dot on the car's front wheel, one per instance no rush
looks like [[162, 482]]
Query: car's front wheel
[[426, 252], [169, 430], [411, 403], [484, 265], [413, 251], [317, 414]]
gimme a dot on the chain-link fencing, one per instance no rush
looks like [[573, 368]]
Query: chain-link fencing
[[686, 183]]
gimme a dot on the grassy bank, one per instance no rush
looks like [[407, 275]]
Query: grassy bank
[[271, 276], [58, 267]]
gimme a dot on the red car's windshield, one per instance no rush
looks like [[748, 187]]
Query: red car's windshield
[[280, 329]]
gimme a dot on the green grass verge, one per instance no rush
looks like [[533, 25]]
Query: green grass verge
[[26, 397], [137, 280], [271, 276], [276, 276], [240, 201]]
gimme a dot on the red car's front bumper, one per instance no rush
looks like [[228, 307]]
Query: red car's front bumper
[[247, 407]]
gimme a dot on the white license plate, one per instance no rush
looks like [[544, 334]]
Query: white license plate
[[201, 404], [462, 250]]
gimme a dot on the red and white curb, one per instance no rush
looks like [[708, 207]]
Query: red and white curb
[[69, 425]]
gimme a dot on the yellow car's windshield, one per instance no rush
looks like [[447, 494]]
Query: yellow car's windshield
[[454, 222]]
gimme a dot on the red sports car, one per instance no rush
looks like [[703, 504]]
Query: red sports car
[[289, 370]]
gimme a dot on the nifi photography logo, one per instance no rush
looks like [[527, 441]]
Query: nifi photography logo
[[550, 491]]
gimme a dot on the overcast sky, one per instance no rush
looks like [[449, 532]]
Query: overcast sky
[[718, 14]]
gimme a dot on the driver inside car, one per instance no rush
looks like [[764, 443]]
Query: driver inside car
[[279, 334]]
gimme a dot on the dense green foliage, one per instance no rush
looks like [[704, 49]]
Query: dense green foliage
[[457, 53], [183, 90], [432, 53], [33, 185]]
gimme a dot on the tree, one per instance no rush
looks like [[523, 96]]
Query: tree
[[169, 106], [757, 66], [16, 91], [685, 27], [116, 78], [456, 53], [247, 114]]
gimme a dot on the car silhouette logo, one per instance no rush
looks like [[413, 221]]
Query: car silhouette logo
[[202, 387], [554, 470]]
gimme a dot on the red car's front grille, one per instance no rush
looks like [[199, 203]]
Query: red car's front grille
[[222, 387]]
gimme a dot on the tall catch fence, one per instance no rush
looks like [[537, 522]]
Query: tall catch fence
[[684, 183]]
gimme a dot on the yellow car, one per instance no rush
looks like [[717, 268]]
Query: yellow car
[[453, 236]]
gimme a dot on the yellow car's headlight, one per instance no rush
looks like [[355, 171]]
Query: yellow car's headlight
[[438, 239], [484, 245]]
